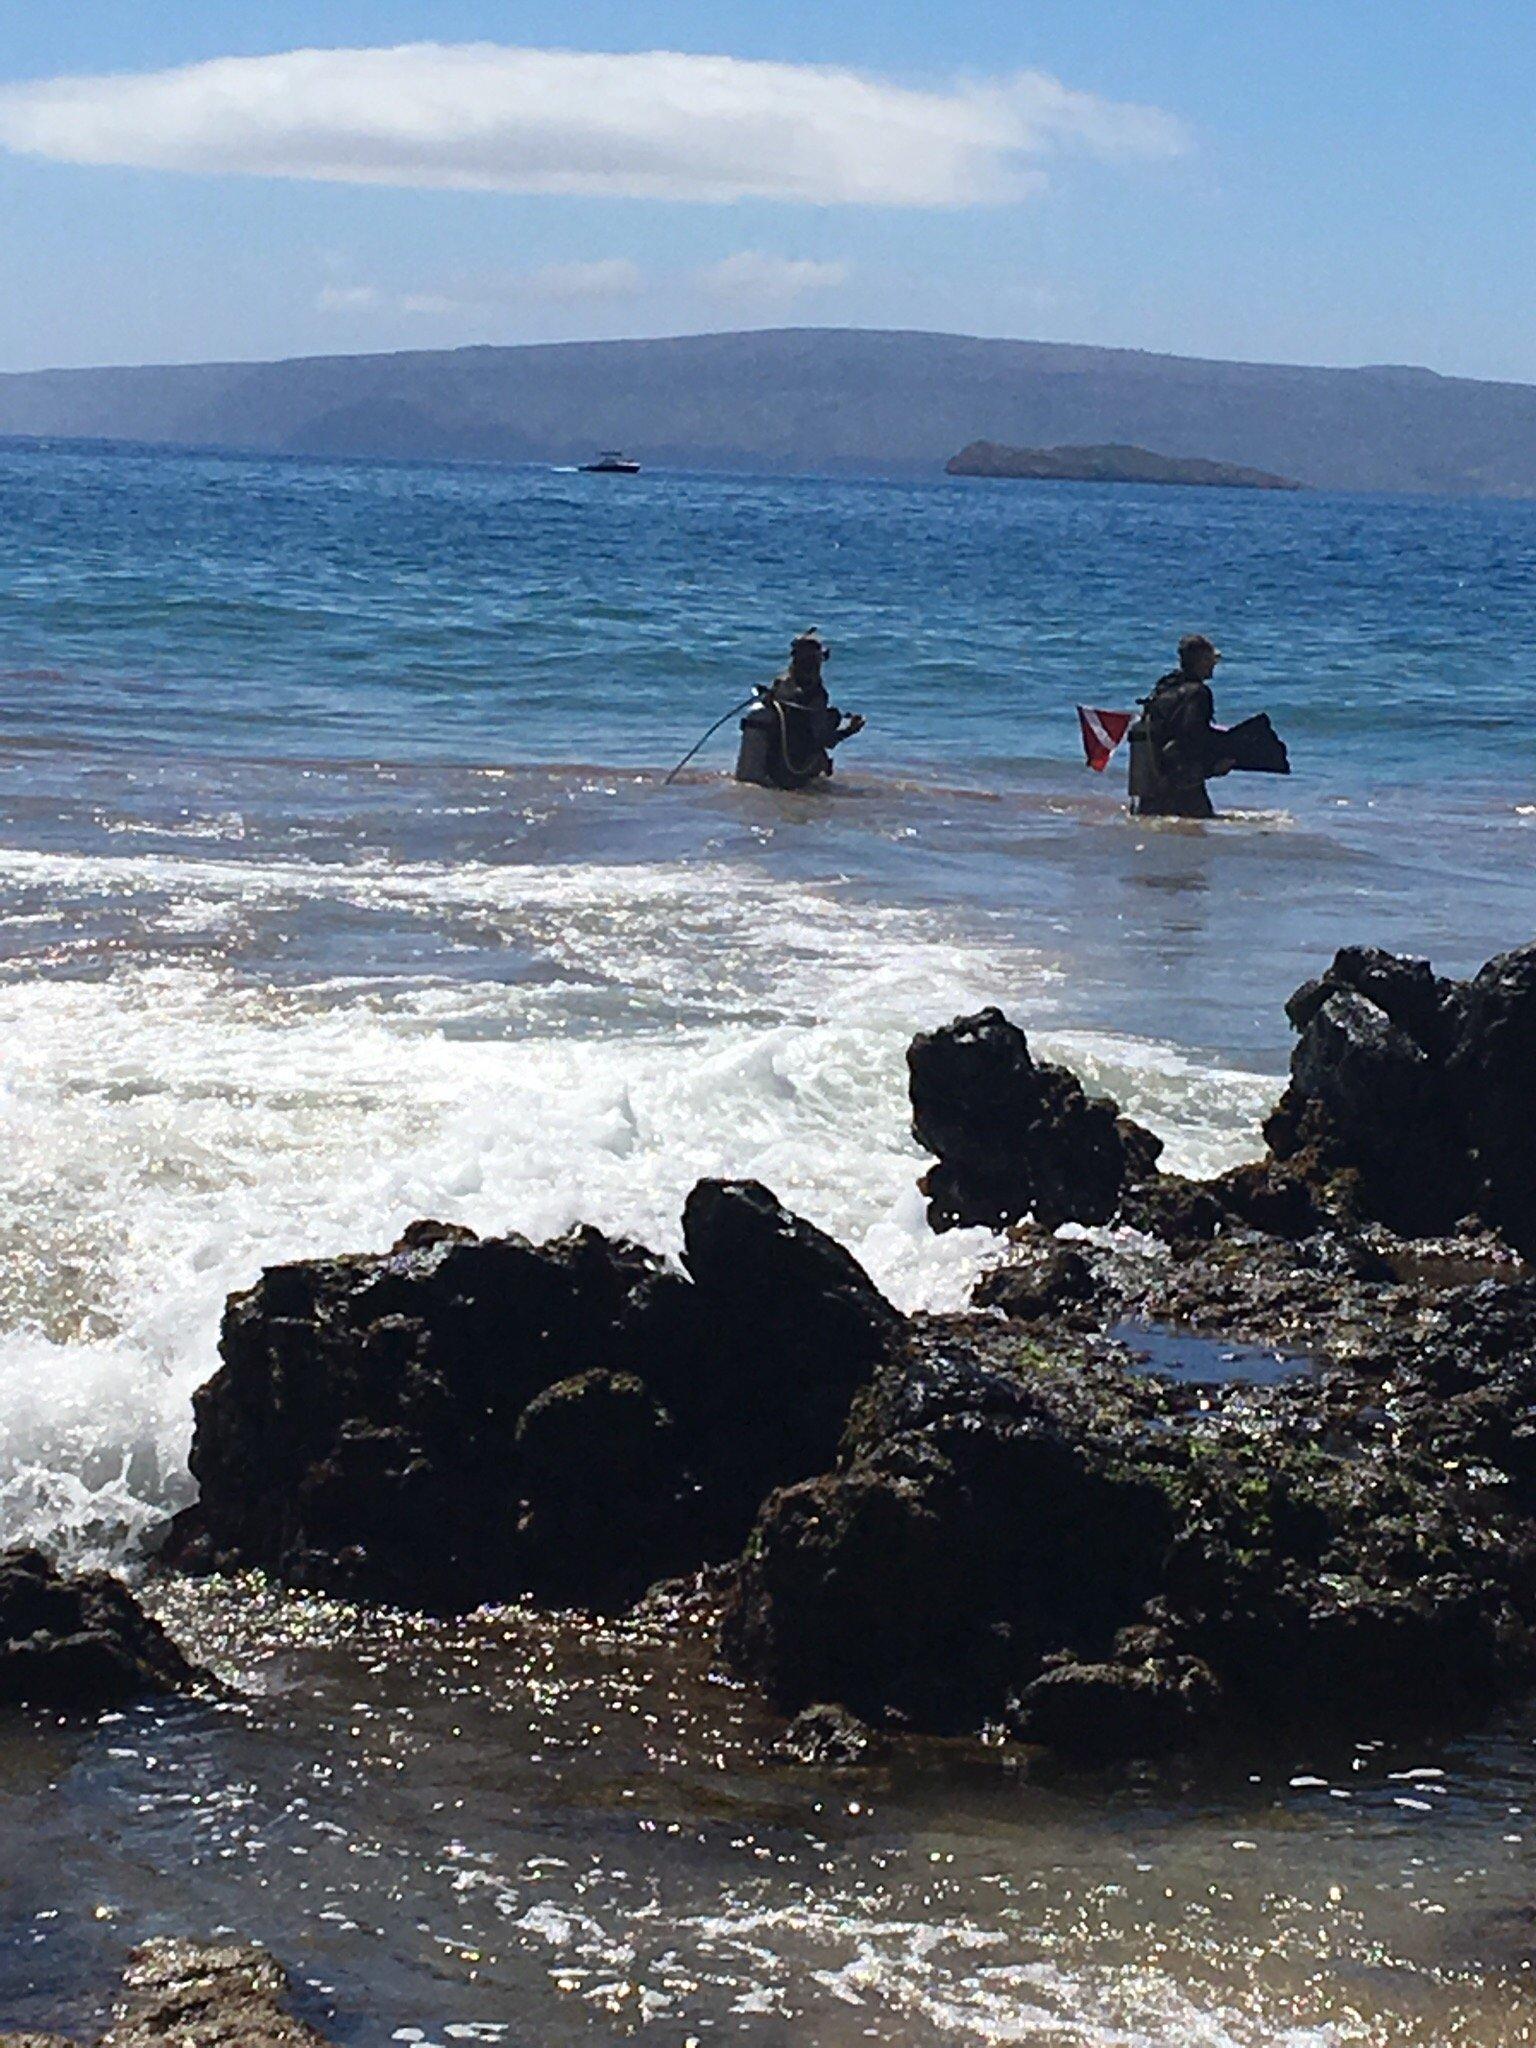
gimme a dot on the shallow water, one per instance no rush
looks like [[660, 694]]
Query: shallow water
[[338, 887], [516, 1829], [1198, 1359]]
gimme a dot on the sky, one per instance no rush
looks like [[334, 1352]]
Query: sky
[[1319, 181]]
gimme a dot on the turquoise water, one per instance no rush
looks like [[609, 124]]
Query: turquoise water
[[338, 886]]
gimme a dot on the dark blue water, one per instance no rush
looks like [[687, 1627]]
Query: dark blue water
[[467, 614]]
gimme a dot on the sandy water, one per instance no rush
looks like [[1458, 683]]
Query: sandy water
[[337, 888]]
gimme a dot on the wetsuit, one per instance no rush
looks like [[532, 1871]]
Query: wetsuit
[[787, 740], [1174, 747]]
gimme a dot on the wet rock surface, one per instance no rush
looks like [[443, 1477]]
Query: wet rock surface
[[79, 1641], [461, 1420], [1411, 1096], [828, 1737], [197, 1994], [1021, 1529], [1001, 1519], [1015, 1136], [1410, 1103]]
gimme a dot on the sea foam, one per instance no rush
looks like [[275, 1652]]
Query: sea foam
[[169, 1125]]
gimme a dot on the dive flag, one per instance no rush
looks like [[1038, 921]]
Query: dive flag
[[1102, 733]]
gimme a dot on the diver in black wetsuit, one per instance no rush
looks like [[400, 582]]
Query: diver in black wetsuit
[[788, 736], [1176, 744]]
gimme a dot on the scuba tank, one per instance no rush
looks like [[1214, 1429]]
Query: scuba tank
[[778, 748], [788, 736]]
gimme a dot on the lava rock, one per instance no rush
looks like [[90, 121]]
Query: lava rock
[[1175, 1209], [1371, 1101], [1039, 1280], [793, 1329], [599, 1452], [1492, 1073], [1407, 992], [1021, 1529], [80, 1641], [463, 1420], [967, 1536], [1144, 1700], [1014, 1136], [1410, 1098], [1270, 1198], [199, 1994], [827, 1736]]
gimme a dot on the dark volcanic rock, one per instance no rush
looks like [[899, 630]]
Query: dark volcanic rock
[[1113, 1563], [1411, 1102], [1411, 1098], [200, 1994], [827, 1736], [1142, 1700], [463, 1420], [79, 1641], [1041, 1279], [1492, 1071], [1015, 1136], [968, 1533], [204, 1994], [596, 1453]]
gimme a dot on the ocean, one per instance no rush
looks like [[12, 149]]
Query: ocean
[[340, 885]]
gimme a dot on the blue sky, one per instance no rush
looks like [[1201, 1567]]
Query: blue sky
[[1269, 179]]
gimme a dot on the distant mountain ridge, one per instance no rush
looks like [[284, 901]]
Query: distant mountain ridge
[[821, 400], [1115, 462]]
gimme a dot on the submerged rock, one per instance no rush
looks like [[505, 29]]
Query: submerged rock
[[199, 1994], [1015, 1136], [463, 1420], [827, 1736], [80, 1640]]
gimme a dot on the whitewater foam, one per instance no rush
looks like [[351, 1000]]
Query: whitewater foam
[[170, 1125]]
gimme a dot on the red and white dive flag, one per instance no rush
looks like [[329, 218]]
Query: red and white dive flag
[[1102, 733]]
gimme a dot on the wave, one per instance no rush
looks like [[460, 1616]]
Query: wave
[[171, 1121]]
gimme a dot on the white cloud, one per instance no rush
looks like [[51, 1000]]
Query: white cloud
[[430, 302], [610, 277], [348, 298], [652, 125], [758, 281]]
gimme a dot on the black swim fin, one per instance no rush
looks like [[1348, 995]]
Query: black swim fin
[[1255, 746]]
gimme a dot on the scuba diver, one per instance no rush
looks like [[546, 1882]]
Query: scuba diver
[[1176, 744], [788, 736]]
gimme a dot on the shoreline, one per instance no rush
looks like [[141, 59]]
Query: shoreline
[[1286, 1251]]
